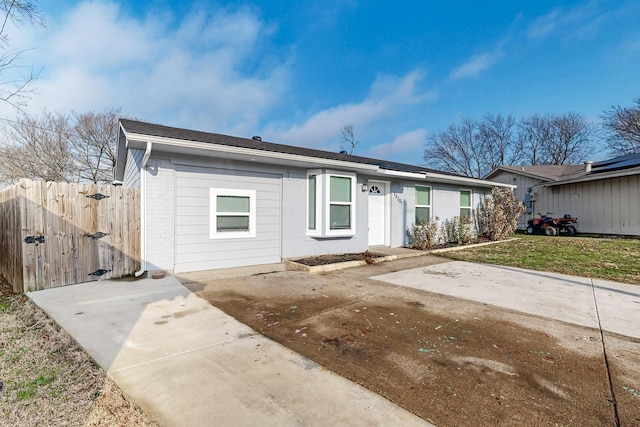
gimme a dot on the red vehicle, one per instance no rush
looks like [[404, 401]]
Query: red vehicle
[[565, 226]]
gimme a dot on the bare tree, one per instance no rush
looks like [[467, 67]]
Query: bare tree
[[16, 86], [573, 139], [60, 147], [39, 148], [95, 136], [623, 129], [556, 139], [349, 139], [458, 150], [497, 136], [475, 148], [534, 133]]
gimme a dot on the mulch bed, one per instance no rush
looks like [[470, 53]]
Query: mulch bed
[[336, 258]]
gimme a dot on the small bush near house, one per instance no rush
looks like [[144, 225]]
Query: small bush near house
[[497, 215], [459, 230], [423, 236]]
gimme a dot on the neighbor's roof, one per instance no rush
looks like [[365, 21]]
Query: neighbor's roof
[[545, 173], [552, 175], [142, 128]]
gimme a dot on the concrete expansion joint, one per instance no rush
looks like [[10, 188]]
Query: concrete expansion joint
[[606, 359], [193, 350]]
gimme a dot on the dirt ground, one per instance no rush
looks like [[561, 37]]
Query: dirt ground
[[450, 361], [47, 380]]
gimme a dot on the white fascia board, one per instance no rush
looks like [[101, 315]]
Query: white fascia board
[[400, 174], [249, 152], [436, 177]]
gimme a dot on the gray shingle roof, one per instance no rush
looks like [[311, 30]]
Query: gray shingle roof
[[143, 128], [549, 172]]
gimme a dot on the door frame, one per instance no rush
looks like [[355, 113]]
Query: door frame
[[387, 208]]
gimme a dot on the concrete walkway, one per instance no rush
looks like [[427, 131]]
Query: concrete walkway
[[571, 299], [186, 363]]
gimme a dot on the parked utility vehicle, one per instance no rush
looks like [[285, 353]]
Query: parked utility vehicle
[[547, 225]]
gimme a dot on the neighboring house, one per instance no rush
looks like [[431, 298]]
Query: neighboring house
[[603, 195], [212, 201]]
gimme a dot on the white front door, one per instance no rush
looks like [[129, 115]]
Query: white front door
[[376, 213]]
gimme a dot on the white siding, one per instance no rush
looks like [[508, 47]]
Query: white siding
[[131, 176], [194, 249]]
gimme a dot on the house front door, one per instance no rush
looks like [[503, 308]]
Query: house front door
[[377, 211]]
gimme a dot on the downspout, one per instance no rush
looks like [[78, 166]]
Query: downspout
[[143, 211]]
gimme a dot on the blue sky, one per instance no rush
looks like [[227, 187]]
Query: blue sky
[[297, 72]]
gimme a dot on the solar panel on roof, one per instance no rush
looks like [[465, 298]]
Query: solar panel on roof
[[624, 162]]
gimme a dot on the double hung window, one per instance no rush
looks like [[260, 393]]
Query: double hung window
[[465, 203], [423, 204]]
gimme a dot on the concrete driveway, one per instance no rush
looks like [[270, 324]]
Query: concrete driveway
[[186, 362], [595, 303]]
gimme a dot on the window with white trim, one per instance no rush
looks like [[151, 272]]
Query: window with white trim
[[465, 203], [312, 205], [331, 206], [233, 213], [423, 204], [340, 202]]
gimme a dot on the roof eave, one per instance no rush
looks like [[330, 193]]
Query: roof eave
[[133, 140], [519, 172], [594, 177], [444, 178]]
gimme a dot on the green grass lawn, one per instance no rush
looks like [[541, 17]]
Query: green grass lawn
[[609, 259]]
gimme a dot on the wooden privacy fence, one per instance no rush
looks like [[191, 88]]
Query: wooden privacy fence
[[55, 234]]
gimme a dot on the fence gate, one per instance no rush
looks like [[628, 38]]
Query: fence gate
[[72, 233]]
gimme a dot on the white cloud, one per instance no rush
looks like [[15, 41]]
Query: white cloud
[[544, 25], [580, 22], [188, 73], [388, 97], [476, 65], [409, 145]]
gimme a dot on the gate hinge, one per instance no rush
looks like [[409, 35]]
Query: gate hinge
[[99, 272], [97, 196], [97, 235], [34, 239]]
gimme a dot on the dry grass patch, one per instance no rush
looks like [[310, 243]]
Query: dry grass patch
[[46, 379]]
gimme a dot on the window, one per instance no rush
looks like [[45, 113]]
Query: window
[[233, 213], [423, 204], [340, 203], [330, 203], [311, 203], [465, 203]]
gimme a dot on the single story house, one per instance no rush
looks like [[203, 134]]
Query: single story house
[[211, 201], [604, 195]]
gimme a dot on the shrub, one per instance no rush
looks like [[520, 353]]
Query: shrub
[[497, 215], [424, 235], [459, 230]]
